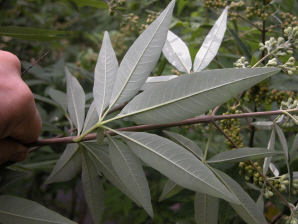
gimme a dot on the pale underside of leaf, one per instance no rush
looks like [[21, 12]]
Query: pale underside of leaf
[[75, 101], [176, 163], [274, 169], [177, 53], [170, 190], [91, 118], [155, 80], [263, 125], [248, 210], [68, 165], [104, 163], [59, 97], [192, 94], [104, 75], [130, 171], [206, 209], [186, 143], [242, 154], [23, 211], [211, 43], [141, 58], [93, 188], [271, 144]]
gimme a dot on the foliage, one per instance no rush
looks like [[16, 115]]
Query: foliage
[[109, 145]]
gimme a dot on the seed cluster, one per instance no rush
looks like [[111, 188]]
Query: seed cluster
[[232, 128], [214, 4], [113, 4], [259, 10], [288, 19]]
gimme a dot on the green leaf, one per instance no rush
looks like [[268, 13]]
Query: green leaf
[[93, 188], [91, 118], [294, 148], [8, 176], [263, 125], [243, 154], [75, 101], [186, 143], [104, 163], [241, 45], [211, 43], [177, 53], [68, 165], [271, 144], [130, 171], [248, 209], [34, 34], [176, 163], [141, 58], [170, 190], [92, 3], [46, 100], [105, 74], [19, 210], [192, 94], [59, 97], [206, 209], [181, 5]]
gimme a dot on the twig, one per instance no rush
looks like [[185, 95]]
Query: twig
[[34, 63], [147, 127], [247, 20]]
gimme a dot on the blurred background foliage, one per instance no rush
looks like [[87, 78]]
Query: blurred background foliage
[[72, 32]]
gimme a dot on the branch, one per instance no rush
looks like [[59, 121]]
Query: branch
[[147, 127]]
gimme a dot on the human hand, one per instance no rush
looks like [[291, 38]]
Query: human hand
[[20, 122]]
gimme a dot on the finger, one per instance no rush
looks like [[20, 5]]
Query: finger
[[11, 63], [11, 149]]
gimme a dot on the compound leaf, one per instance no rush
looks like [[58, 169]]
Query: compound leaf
[[19, 210], [177, 53], [243, 154], [176, 163], [206, 209], [68, 165], [211, 43], [129, 169], [75, 101], [141, 58], [93, 188], [192, 94], [105, 74]]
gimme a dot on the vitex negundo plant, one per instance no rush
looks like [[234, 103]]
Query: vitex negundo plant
[[164, 100]]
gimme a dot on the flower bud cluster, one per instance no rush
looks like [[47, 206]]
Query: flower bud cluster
[[292, 35], [214, 4], [288, 19], [259, 10], [289, 67], [291, 220], [232, 128], [241, 63], [250, 175], [258, 94], [113, 4], [150, 19]]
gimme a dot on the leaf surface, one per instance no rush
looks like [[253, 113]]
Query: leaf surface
[[248, 210], [177, 53], [186, 143], [211, 43], [263, 125], [294, 148], [104, 163], [170, 189], [176, 163], [129, 169], [206, 209], [19, 210], [154, 80], [271, 144], [105, 74], [242, 154], [192, 94], [93, 188], [141, 58], [60, 97], [75, 101], [68, 165], [91, 118]]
